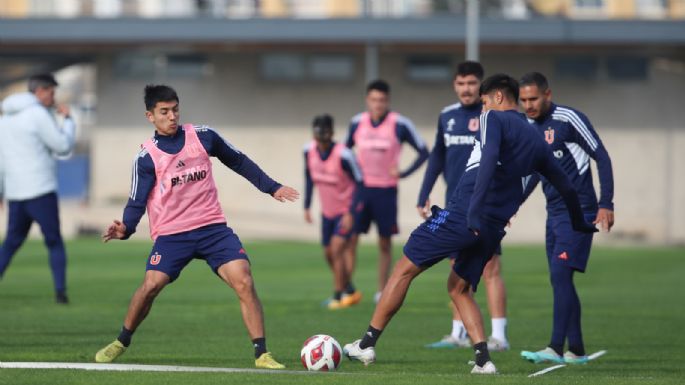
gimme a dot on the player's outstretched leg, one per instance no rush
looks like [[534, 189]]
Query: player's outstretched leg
[[384, 262], [237, 274], [458, 338], [390, 302], [138, 309], [462, 296], [497, 304]]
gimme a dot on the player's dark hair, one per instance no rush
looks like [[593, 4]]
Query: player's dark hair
[[470, 67], [501, 82], [158, 93], [534, 78], [322, 122], [41, 81], [378, 85]]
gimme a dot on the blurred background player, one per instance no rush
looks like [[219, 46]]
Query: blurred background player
[[472, 225], [574, 142], [172, 178], [378, 134], [331, 167], [31, 140], [457, 127]]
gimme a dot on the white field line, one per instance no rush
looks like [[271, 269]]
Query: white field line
[[141, 368], [596, 355], [591, 357], [543, 371]]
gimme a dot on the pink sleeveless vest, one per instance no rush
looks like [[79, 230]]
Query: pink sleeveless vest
[[335, 186], [378, 150], [184, 196]]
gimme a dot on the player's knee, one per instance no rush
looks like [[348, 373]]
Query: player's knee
[[560, 276], [243, 285], [492, 270], [53, 240], [151, 287]]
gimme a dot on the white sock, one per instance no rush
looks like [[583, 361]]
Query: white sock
[[499, 329], [458, 330]]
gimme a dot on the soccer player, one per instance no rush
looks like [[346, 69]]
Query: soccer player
[[457, 128], [31, 141], [331, 167], [573, 141], [472, 225], [172, 178], [378, 134]]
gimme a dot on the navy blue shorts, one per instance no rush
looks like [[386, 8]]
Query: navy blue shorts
[[216, 244], [566, 246], [377, 205], [331, 227], [445, 234]]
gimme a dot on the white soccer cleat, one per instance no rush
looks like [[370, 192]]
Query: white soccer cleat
[[488, 368], [497, 345], [354, 352]]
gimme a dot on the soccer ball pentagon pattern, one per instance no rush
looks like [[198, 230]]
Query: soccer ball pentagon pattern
[[321, 353]]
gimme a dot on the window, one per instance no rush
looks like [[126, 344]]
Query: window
[[294, 67], [627, 67], [289, 67], [577, 67], [332, 68], [135, 65], [429, 68], [187, 65]]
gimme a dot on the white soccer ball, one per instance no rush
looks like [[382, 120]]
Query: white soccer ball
[[321, 353]]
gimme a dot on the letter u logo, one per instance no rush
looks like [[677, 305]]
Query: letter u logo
[[155, 259], [549, 135]]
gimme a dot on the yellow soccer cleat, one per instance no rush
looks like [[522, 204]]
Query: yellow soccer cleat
[[335, 304], [110, 352], [266, 361], [351, 299]]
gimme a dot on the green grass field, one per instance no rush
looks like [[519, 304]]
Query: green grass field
[[633, 306]]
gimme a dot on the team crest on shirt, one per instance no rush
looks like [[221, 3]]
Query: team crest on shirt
[[549, 135], [474, 124], [155, 258]]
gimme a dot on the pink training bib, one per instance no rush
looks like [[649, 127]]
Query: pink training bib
[[378, 150], [336, 188], [184, 196]]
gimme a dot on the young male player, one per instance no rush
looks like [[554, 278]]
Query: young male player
[[457, 128], [331, 167], [172, 178], [472, 225], [573, 141], [378, 134]]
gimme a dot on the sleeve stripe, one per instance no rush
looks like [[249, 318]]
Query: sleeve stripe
[[483, 127], [207, 128], [412, 130], [134, 178], [348, 156], [578, 124]]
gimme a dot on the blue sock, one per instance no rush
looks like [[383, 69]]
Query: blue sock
[[125, 336]]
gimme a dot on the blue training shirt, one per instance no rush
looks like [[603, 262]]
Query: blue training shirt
[[507, 151], [406, 132], [574, 142], [457, 129], [143, 178], [349, 165]]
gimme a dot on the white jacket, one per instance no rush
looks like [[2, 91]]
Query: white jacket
[[30, 139]]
